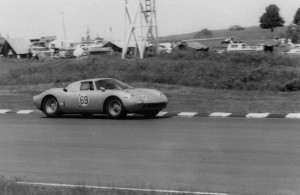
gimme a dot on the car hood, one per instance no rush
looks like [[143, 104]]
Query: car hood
[[148, 95], [143, 91]]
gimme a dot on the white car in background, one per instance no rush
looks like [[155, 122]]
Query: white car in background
[[240, 47], [295, 51]]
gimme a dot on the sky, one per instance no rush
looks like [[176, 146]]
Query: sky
[[36, 18]]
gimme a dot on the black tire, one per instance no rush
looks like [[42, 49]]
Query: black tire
[[115, 108], [51, 108], [151, 114]]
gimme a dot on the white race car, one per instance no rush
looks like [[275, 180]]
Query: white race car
[[100, 96]]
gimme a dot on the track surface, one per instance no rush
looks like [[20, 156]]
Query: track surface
[[225, 155]]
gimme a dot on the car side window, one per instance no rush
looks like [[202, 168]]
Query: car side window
[[106, 84], [87, 86]]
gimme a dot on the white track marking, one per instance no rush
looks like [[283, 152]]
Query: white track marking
[[219, 114], [118, 188], [25, 111], [187, 114], [257, 115], [162, 113], [3, 111], [293, 115], [131, 114]]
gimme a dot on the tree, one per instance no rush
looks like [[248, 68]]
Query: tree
[[297, 17], [293, 32], [271, 18], [204, 33]]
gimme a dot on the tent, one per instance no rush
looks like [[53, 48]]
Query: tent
[[15, 47]]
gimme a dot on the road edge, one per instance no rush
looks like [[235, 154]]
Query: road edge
[[187, 114]]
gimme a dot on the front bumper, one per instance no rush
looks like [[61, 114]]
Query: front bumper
[[37, 102], [145, 107], [154, 106]]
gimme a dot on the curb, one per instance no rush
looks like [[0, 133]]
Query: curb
[[7, 111], [187, 114], [238, 115]]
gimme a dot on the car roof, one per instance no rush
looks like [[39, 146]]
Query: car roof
[[94, 79]]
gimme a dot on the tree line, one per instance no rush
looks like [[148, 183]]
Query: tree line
[[271, 19]]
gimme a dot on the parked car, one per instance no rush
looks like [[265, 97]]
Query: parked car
[[239, 47], [295, 51], [236, 27], [100, 96], [227, 41]]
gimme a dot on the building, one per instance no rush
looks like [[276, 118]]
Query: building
[[117, 46], [42, 41], [17, 47], [191, 46], [2, 40]]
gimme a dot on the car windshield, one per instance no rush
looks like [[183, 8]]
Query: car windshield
[[111, 84]]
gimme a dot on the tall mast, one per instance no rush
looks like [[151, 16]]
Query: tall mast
[[146, 42], [63, 21]]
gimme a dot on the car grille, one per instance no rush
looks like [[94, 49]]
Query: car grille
[[155, 105]]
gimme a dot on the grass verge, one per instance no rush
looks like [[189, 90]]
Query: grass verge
[[193, 81], [181, 98]]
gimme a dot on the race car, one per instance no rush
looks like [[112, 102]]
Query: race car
[[100, 96]]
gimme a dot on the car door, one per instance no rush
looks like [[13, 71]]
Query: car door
[[88, 98], [83, 100]]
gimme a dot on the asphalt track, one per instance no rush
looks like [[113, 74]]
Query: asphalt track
[[223, 155]]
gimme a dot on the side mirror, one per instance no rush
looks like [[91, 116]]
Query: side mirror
[[65, 90], [102, 89]]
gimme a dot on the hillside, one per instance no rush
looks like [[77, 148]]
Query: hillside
[[251, 35]]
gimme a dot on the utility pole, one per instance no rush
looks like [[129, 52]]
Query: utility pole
[[146, 42], [64, 28]]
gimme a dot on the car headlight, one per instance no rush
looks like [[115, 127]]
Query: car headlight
[[163, 96], [136, 99]]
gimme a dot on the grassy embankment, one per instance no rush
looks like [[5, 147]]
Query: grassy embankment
[[250, 35], [229, 71], [202, 82]]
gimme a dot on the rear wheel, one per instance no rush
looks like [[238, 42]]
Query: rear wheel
[[115, 108], [51, 108], [151, 114]]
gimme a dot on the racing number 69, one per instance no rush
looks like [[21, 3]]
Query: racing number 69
[[84, 100]]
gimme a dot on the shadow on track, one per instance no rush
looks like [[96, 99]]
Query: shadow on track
[[106, 117]]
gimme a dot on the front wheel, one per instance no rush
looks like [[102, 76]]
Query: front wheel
[[51, 108], [115, 108]]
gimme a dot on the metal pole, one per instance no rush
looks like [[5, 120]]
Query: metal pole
[[124, 50], [155, 26], [63, 21]]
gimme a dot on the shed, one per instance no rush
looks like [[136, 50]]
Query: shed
[[2, 40], [118, 46], [15, 47], [192, 46]]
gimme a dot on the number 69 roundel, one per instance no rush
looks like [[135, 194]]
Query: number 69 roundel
[[83, 100]]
